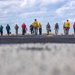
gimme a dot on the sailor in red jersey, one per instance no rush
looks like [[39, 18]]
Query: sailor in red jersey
[[24, 28], [74, 27]]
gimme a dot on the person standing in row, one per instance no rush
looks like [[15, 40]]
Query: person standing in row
[[16, 29], [66, 27], [1, 30], [48, 28], [40, 29], [56, 28], [31, 29], [24, 28], [8, 29], [74, 27], [35, 26]]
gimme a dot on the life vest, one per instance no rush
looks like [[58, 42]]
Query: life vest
[[67, 24], [23, 26], [35, 24], [40, 26], [73, 25]]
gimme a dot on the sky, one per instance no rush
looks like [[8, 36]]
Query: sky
[[25, 11]]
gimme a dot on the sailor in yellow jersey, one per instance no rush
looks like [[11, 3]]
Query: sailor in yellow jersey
[[66, 27], [35, 26], [40, 29]]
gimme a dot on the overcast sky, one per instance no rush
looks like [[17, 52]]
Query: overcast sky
[[25, 11]]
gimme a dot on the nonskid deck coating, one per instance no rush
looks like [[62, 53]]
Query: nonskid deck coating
[[37, 39]]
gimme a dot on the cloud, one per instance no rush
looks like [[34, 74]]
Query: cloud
[[12, 6], [24, 3], [47, 2], [3, 20], [28, 3], [69, 7], [67, 11], [34, 13], [72, 20], [19, 11], [31, 3], [9, 6]]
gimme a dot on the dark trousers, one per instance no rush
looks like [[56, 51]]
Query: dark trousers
[[8, 32], [31, 31], [74, 30], [40, 31], [1, 32], [23, 31]]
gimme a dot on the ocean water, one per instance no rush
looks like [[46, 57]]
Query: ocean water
[[37, 59]]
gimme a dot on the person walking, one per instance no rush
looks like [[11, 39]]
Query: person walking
[[35, 26], [1, 30], [8, 29], [31, 29], [16, 29], [40, 29], [66, 27], [48, 28], [24, 28], [74, 27], [56, 28]]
